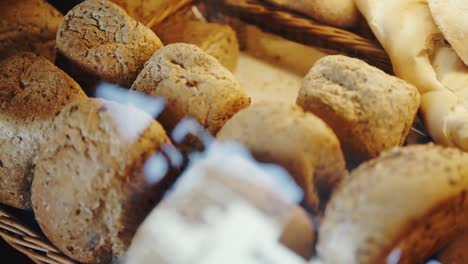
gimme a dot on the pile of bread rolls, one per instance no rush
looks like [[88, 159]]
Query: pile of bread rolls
[[81, 162]]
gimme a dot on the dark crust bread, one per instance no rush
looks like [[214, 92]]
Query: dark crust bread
[[32, 92]]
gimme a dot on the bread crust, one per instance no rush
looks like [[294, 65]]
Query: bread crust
[[300, 142], [368, 110], [89, 193], [32, 92]]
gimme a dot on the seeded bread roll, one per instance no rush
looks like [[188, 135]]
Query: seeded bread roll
[[32, 92], [398, 208], [97, 40], [89, 194], [220, 41], [28, 25], [300, 142], [455, 252], [340, 13], [369, 110], [194, 84]]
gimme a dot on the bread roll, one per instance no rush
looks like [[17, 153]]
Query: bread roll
[[450, 17], [89, 193], [220, 41], [97, 40], [455, 252], [300, 142], [369, 110], [399, 208], [28, 25], [194, 84], [211, 213], [340, 13], [420, 56], [32, 92]]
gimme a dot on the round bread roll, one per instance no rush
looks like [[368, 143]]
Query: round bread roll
[[450, 17], [89, 193], [28, 25], [97, 40], [398, 208], [369, 110], [340, 13], [300, 142], [32, 92], [212, 209], [456, 252], [194, 84]]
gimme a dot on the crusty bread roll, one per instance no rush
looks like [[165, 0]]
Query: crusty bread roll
[[450, 17], [220, 41], [214, 213], [420, 56], [300, 142], [89, 193], [456, 252], [32, 92], [399, 208], [340, 13], [194, 84], [97, 40], [28, 25], [369, 110]]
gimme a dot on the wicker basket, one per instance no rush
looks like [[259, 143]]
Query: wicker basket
[[284, 23]]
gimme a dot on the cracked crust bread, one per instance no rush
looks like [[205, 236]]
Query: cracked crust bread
[[220, 41], [300, 142], [369, 110], [340, 13], [97, 40], [407, 203], [194, 84], [89, 194], [450, 17], [32, 92], [28, 25]]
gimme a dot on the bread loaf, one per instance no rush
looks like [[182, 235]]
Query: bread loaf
[[369, 110], [300, 142], [194, 85], [32, 92], [340, 13], [97, 40], [398, 208], [28, 25], [89, 193]]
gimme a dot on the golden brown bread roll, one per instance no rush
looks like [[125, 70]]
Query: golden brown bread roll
[[97, 40], [369, 110], [300, 142], [194, 84], [28, 25], [398, 208], [32, 92], [89, 193]]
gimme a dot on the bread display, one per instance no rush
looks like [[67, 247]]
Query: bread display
[[224, 214], [28, 25], [368, 110], [420, 56], [220, 41], [97, 40], [300, 142], [28, 104], [194, 85], [449, 16], [455, 252], [340, 13], [89, 193], [404, 205]]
